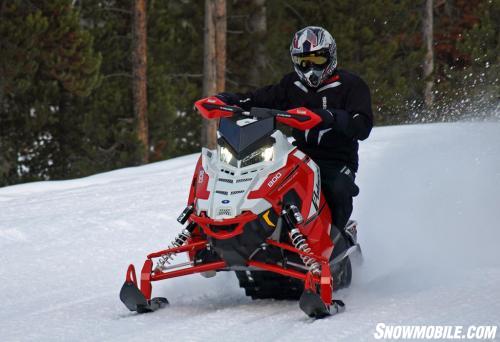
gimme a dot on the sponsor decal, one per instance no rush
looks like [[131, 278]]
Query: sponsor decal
[[226, 201], [274, 179]]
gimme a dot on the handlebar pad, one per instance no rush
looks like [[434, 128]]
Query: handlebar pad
[[213, 108]]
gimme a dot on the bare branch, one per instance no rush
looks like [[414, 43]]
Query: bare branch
[[115, 9], [230, 81], [297, 14], [109, 149], [439, 3], [117, 74], [186, 75]]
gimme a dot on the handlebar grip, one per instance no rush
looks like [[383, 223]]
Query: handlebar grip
[[213, 108]]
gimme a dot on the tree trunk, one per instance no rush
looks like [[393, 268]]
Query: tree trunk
[[220, 44], [214, 62], [139, 81], [258, 26], [428, 31]]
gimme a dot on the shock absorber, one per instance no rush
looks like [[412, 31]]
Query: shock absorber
[[183, 236], [299, 242], [294, 217]]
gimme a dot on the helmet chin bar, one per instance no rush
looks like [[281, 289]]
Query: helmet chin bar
[[313, 78]]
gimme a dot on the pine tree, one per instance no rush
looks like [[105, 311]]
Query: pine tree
[[174, 82], [51, 63], [20, 31], [175, 67]]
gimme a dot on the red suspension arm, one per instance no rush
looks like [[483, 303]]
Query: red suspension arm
[[213, 266]]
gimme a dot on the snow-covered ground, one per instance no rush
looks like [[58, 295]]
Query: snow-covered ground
[[429, 213]]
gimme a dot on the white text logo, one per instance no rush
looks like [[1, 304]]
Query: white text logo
[[435, 332], [274, 179]]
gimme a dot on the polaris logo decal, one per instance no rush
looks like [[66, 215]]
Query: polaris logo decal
[[226, 201], [274, 179]]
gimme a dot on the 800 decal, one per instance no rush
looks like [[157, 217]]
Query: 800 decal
[[274, 179]]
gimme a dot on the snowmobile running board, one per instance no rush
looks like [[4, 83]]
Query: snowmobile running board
[[313, 301]]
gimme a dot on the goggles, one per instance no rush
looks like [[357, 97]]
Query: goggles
[[310, 60]]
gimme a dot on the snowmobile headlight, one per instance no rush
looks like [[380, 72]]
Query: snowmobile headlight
[[227, 157], [265, 153]]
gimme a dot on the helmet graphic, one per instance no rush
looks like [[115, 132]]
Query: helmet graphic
[[314, 55]]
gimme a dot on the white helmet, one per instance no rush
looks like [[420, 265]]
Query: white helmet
[[314, 55]]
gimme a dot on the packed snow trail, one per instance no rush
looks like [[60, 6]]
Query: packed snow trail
[[429, 213]]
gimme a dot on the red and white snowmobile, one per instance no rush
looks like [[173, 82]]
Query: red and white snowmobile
[[255, 207]]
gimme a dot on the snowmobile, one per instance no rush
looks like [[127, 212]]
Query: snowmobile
[[255, 207]]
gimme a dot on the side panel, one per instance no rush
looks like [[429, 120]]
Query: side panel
[[199, 183], [301, 175], [317, 229], [192, 190], [296, 175]]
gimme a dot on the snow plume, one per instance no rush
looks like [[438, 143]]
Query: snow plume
[[432, 202], [462, 96]]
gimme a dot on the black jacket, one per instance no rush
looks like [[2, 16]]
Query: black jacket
[[345, 97]]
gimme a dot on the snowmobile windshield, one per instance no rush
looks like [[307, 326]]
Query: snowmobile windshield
[[243, 135]]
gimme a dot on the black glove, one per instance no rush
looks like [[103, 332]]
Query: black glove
[[336, 118], [342, 119], [228, 98]]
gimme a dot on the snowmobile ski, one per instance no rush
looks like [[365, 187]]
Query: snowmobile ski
[[134, 300], [314, 307]]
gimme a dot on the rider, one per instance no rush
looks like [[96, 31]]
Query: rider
[[341, 98]]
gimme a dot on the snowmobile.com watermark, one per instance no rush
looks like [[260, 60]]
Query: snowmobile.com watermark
[[435, 332]]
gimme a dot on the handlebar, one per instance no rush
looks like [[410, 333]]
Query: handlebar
[[300, 118]]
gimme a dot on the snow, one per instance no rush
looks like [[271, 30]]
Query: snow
[[428, 213]]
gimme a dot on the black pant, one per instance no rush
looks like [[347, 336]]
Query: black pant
[[338, 186]]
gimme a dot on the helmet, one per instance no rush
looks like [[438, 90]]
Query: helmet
[[314, 55]]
